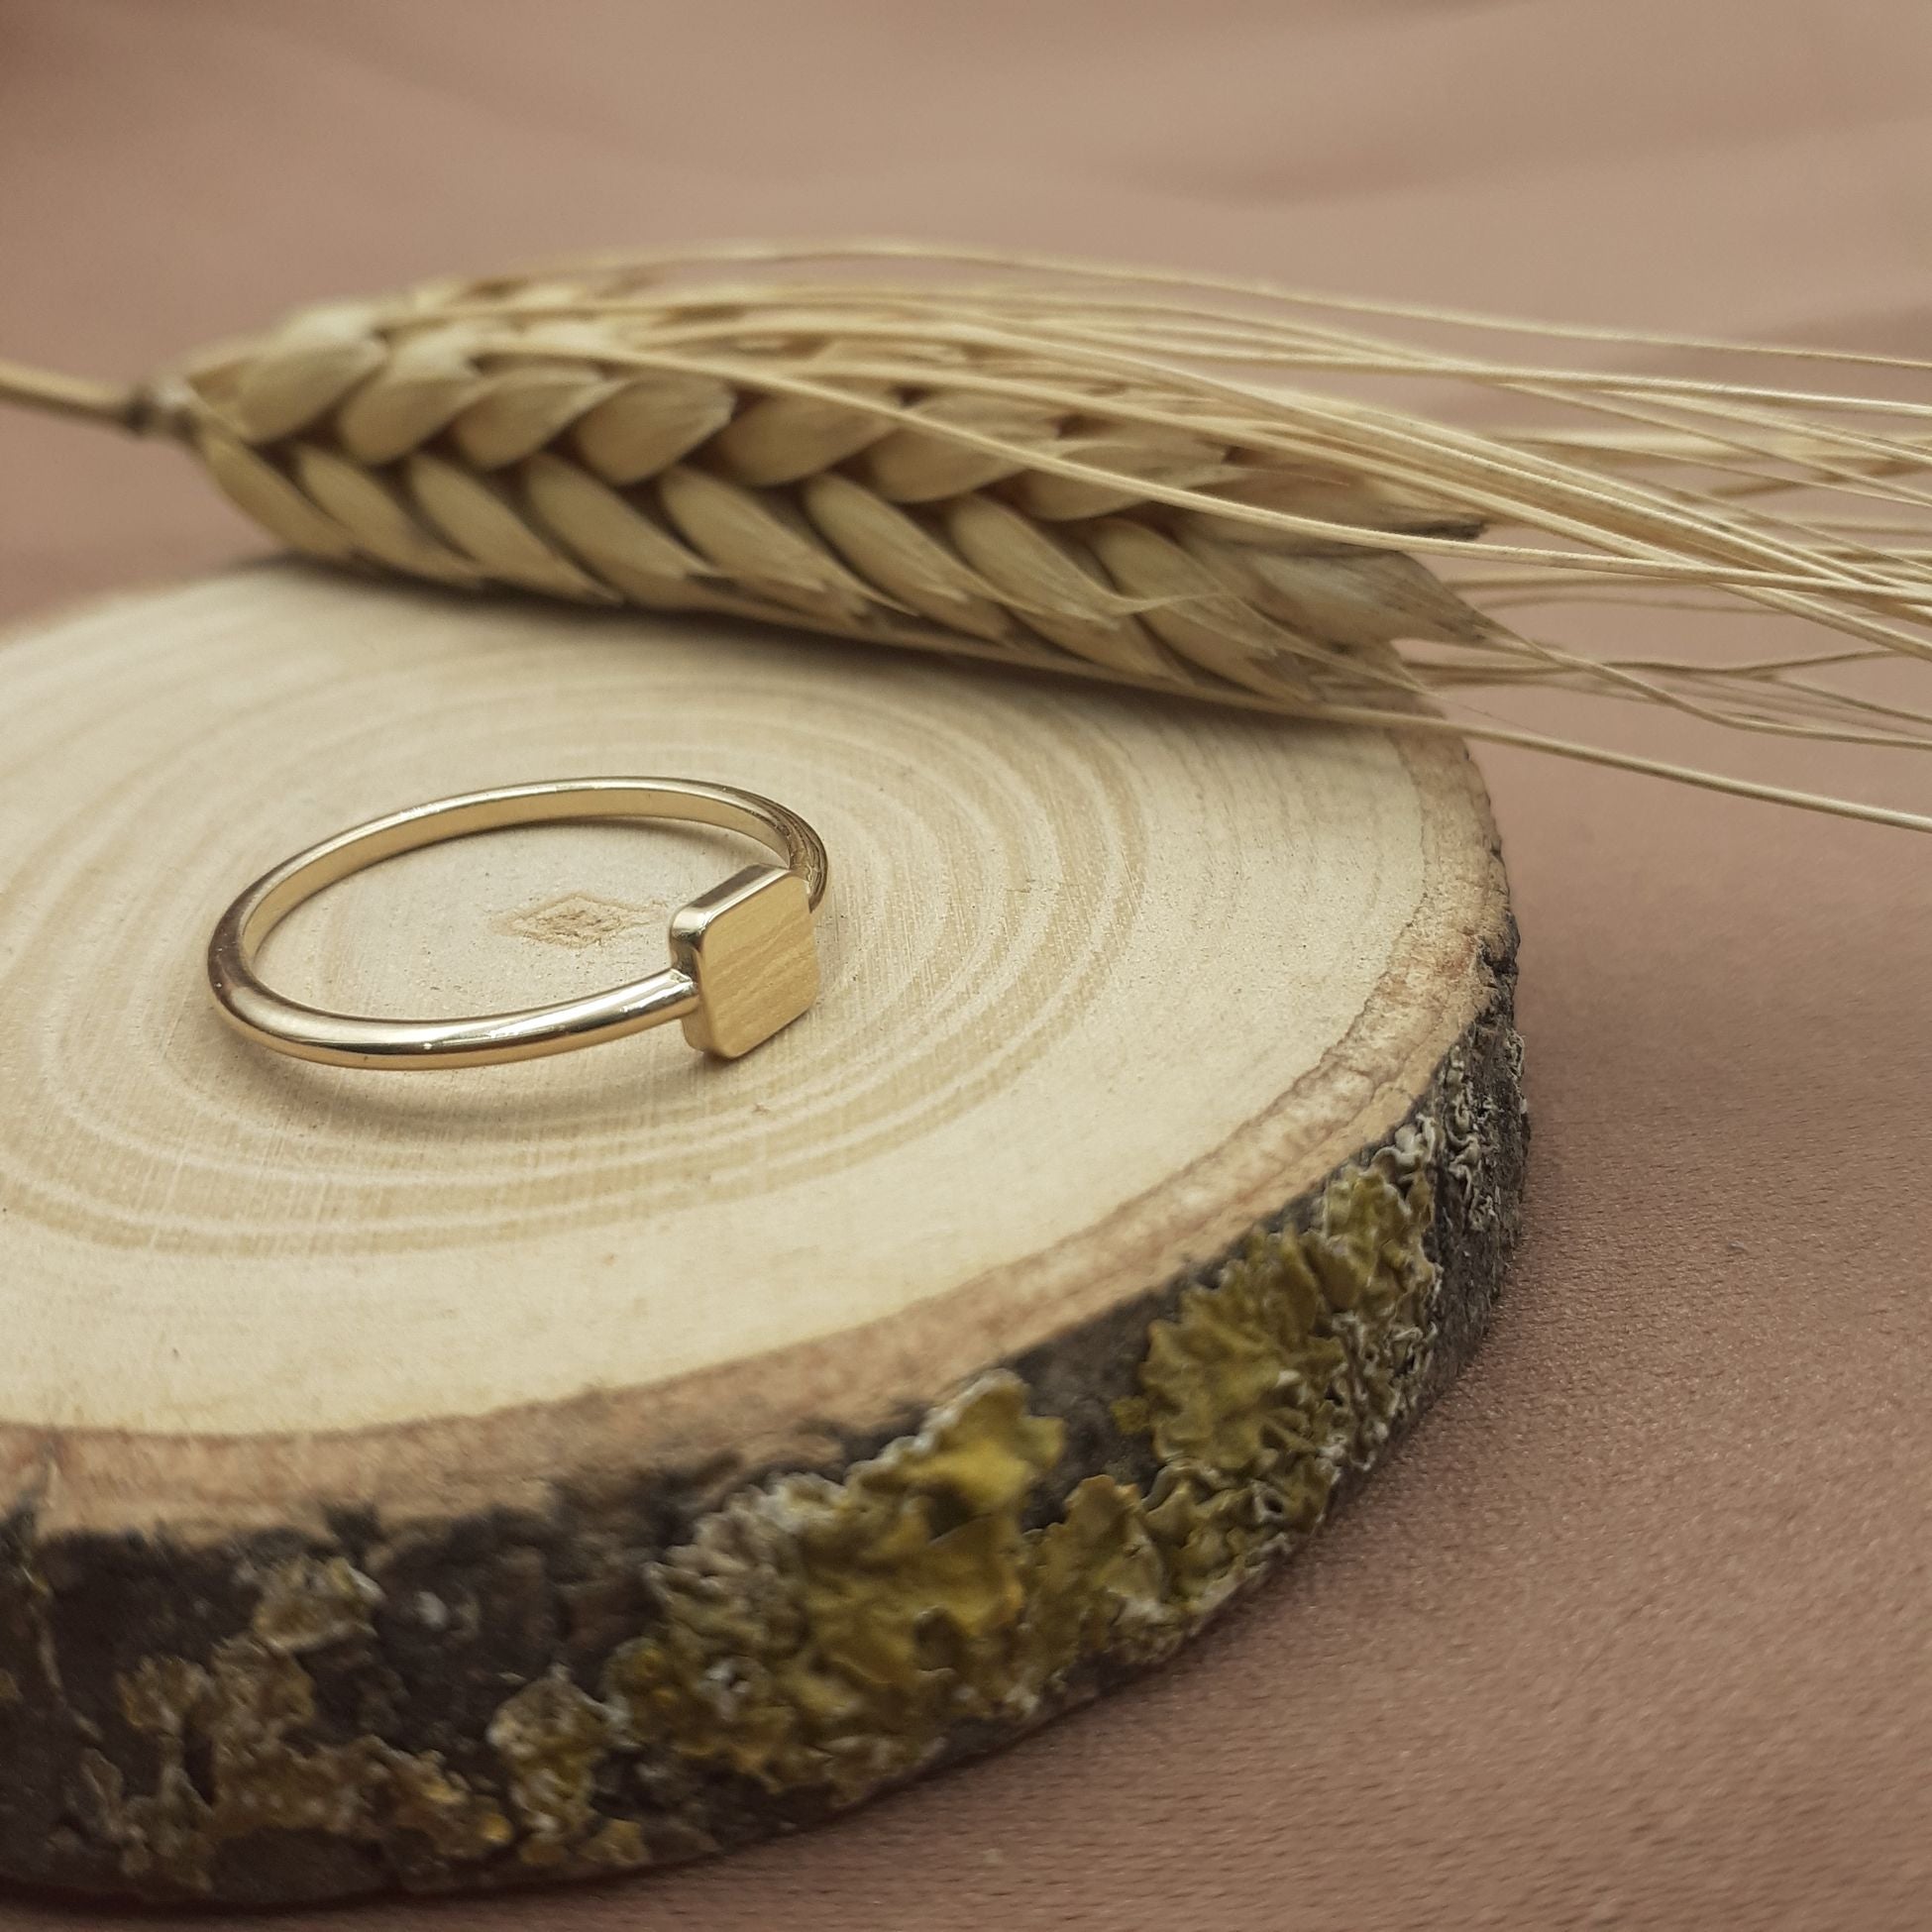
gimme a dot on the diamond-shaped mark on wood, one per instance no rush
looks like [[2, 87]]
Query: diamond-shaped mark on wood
[[578, 920]]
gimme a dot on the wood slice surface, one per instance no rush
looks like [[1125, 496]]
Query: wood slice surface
[[450, 1479]]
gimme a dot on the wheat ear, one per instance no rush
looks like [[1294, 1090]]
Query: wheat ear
[[1064, 469]]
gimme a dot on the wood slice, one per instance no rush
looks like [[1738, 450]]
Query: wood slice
[[452, 1478]]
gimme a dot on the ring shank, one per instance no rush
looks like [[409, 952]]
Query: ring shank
[[348, 1039]]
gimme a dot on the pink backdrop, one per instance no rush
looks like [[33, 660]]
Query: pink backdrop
[[1635, 1632]]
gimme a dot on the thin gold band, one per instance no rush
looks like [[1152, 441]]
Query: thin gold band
[[742, 958]]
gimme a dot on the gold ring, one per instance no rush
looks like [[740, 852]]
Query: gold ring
[[742, 959]]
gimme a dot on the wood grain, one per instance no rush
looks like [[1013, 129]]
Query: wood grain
[[1108, 985]]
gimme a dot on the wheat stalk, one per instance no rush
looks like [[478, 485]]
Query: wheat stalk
[[1076, 468]]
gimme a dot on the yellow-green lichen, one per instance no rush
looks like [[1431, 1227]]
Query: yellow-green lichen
[[1096, 1583], [313, 1602], [834, 1633], [243, 1710], [830, 1633], [551, 1738], [1294, 1363], [1291, 1367]]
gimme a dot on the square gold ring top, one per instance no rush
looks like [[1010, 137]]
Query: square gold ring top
[[748, 947]]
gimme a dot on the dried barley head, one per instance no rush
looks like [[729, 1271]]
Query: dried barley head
[[1084, 470]]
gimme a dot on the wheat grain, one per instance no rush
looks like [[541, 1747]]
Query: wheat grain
[[524, 448], [1089, 470]]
